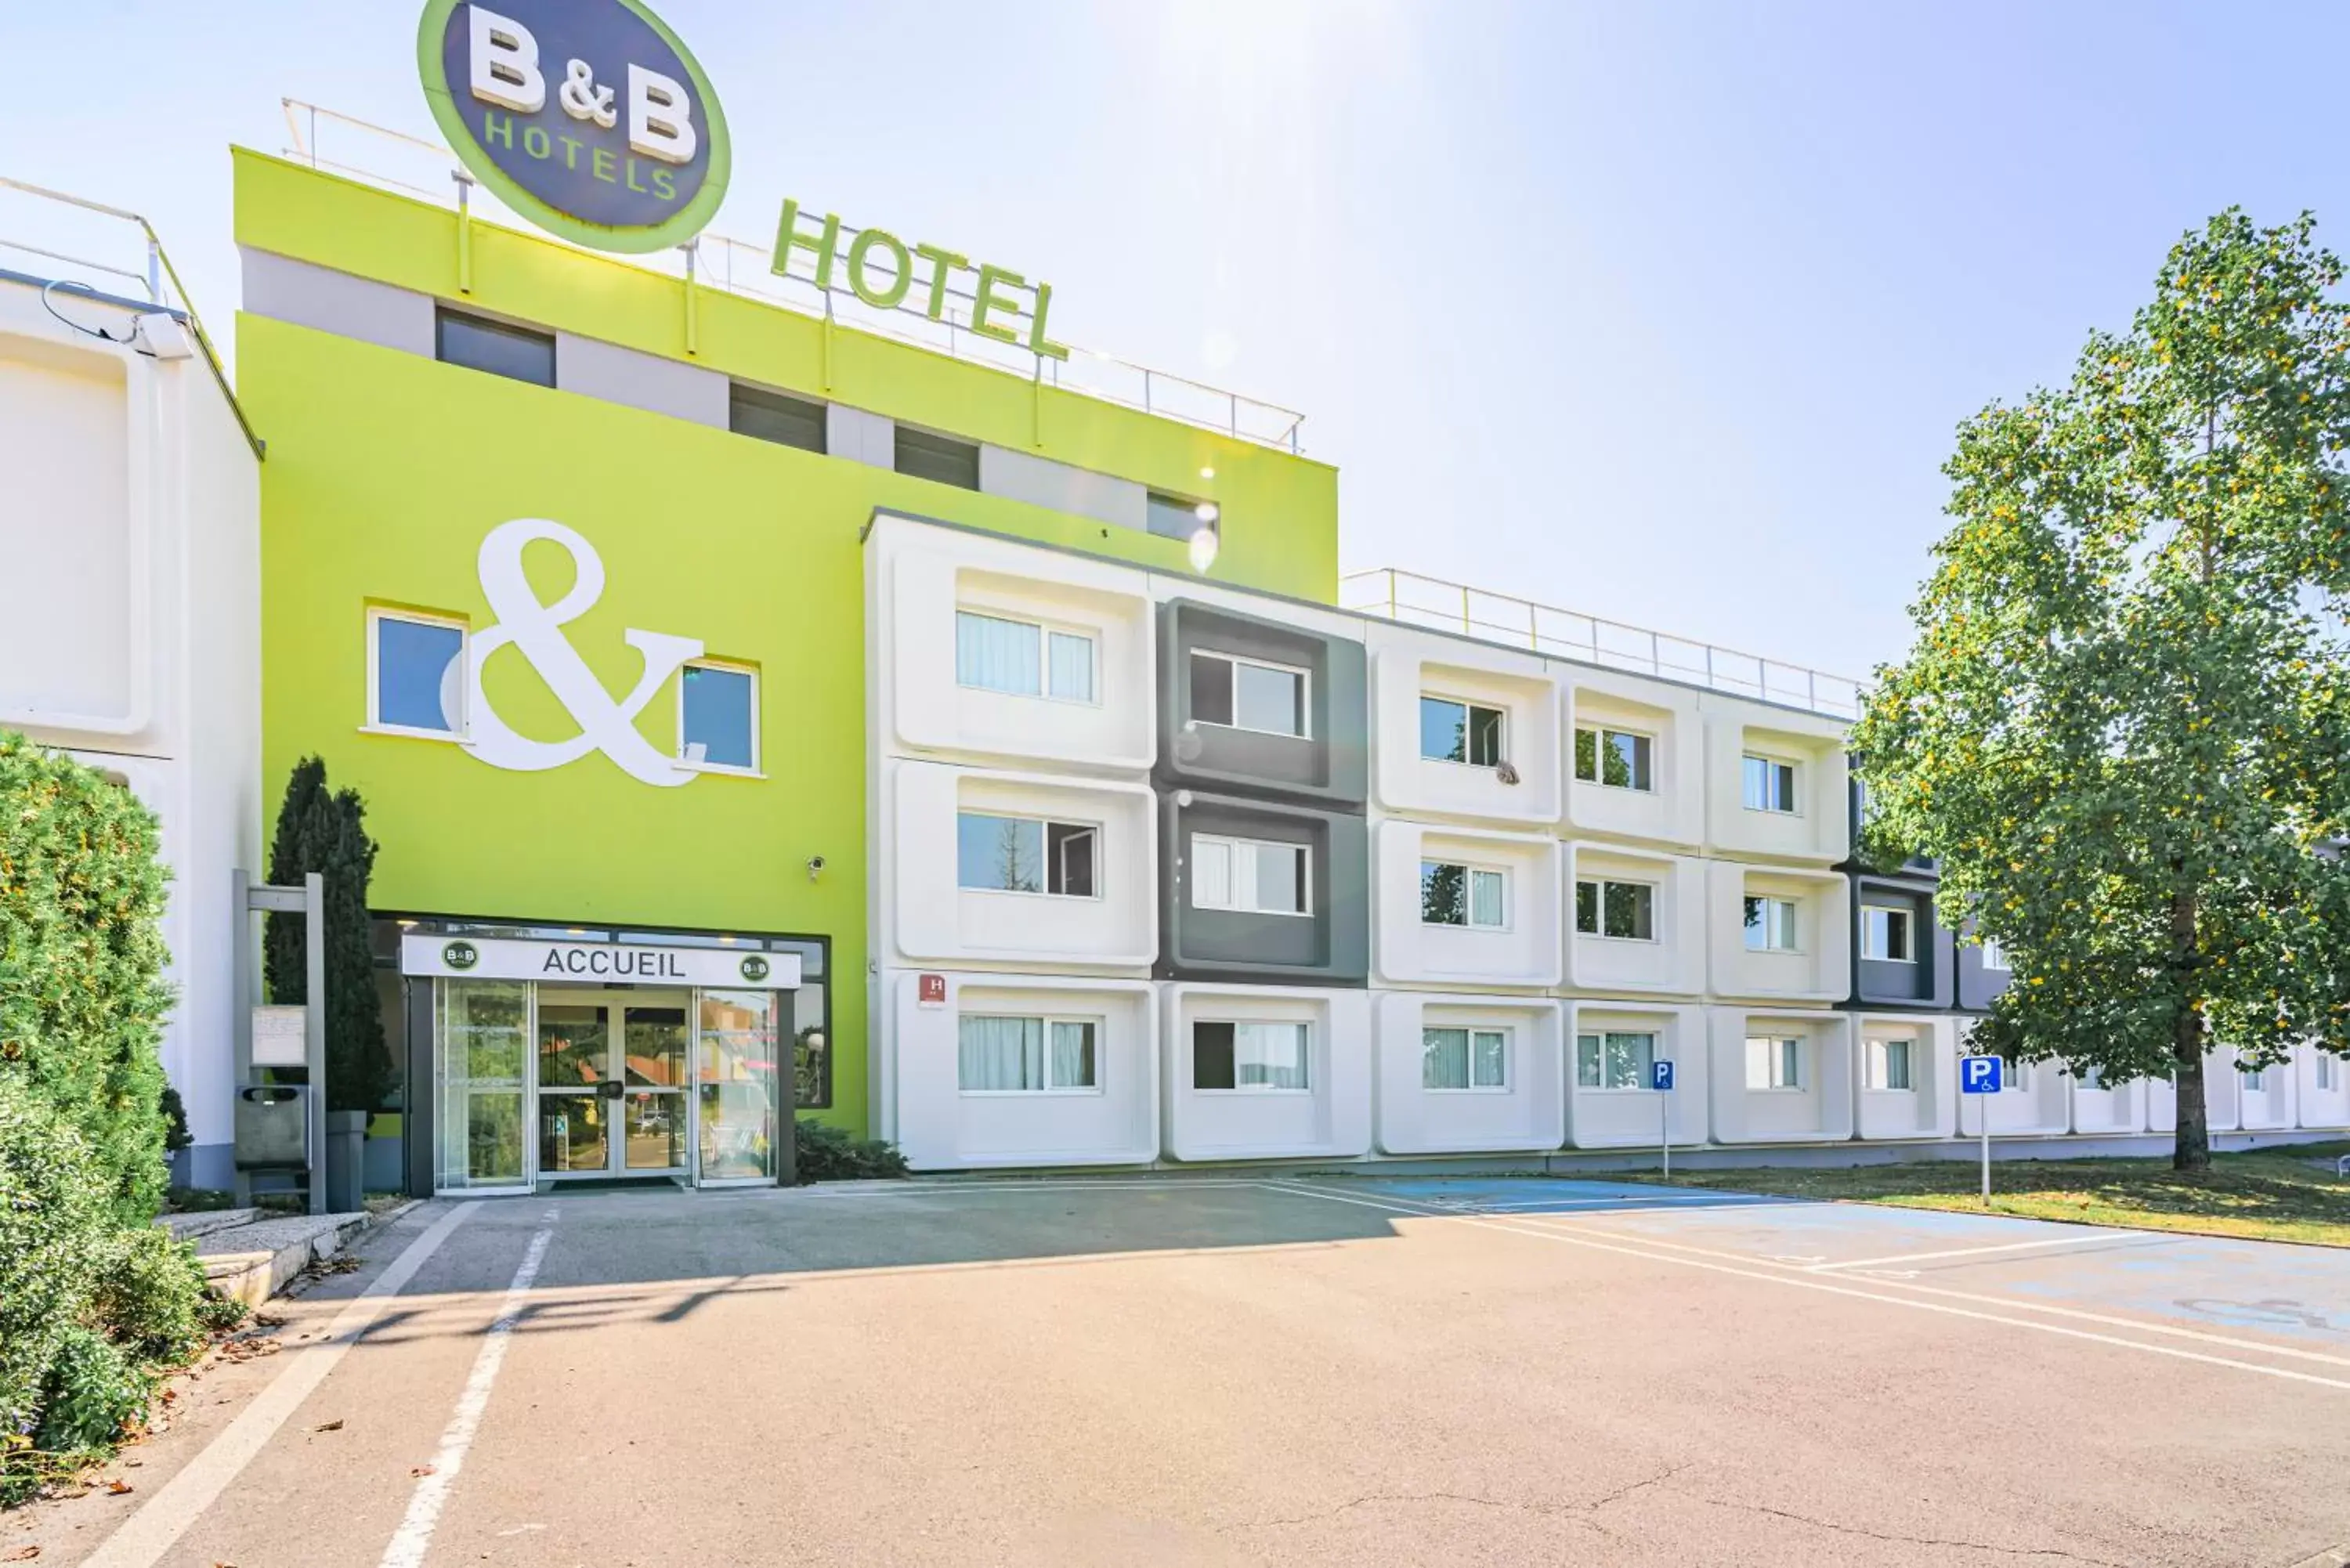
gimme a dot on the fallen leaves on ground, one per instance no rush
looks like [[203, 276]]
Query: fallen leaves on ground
[[421, 1469], [20, 1554], [334, 1426], [116, 1487]]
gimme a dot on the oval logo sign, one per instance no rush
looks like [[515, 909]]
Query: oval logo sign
[[756, 969], [461, 955], [587, 116]]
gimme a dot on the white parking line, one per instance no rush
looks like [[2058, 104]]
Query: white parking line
[[165, 1516], [1806, 1281], [414, 1537], [2109, 1239]]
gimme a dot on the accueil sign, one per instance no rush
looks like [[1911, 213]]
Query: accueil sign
[[594, 964], [884, 271], [588, 117]]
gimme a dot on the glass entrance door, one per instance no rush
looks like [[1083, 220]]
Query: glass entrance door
[[612, 1084]]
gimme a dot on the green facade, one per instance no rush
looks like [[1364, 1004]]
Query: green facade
[[386, 469]]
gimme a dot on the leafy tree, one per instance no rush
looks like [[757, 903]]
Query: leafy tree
[[2124, 729], [319, 829]]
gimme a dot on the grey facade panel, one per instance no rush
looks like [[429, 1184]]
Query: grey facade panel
[[594, 369], [328, 301], [1041, 481], [1978, 986], [860, 437], [1330, 946], [1929, 982], [1329, 764]]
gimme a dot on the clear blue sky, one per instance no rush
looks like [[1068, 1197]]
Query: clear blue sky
[[1663, 312]]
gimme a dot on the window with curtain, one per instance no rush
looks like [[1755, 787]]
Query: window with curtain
[[1250, 1056], [1625, 910], [1022, 658], [1456, 895], [1885, 934], [1249, 875], [1613, 1059], [1888, 1064], [1770, 925], [1775, 1063], [1464, 1059], [1244, 695], [1770, 784], [996, 1055]]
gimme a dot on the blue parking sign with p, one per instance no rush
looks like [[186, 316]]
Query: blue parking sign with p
[[1979, 1074], [1660, 1076]]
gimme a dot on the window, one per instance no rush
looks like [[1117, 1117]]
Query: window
[[718, 717], [1770, 784], [1613, 1059], [1453, 731], [1624, 909], [1888, 1064], [772, 416], [1024, 855], [2092, 1077], [1256, 1058], [514, 352], [1451, 894], [2260, 1080], [941, 459], [1022, 658], [1617, 758], [2328, 1070], [1770, 925], [1246, 873], [1244, 695], [2014, 1077], [1172, 517], [1025, 1056], [1994, 956], [1774, 1063], [1464, 1059], [1885, 934], [417, 679]]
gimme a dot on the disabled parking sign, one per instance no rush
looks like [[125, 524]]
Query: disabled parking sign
[[1660, 1076], [1979, 1074]]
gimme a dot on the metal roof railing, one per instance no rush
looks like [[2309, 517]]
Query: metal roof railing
[[338, 143], [1416, 600]]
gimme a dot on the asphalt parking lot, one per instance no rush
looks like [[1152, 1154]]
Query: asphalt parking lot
[[1325, 1370]]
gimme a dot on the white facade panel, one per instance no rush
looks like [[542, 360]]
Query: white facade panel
[[1623, 1116], [1672, 958], [1424, 1108], [2267, 1100], [2222, 1104], [1409, 665], [1525, 949], [1816, 967], [1780, 1076], [1328, 1118], [2108, 1109], [944, 1124], [2324, 1092], [984, 648], [932, 919], [1671, 809], [2034, 1099], [1906, 1081], [1803, 816]]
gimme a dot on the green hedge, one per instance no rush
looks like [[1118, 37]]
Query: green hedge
[[825, 1153]]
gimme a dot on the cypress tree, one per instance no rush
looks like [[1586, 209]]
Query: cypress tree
[[322, 830]]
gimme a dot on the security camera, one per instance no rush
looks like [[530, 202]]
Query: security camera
[[816, 867]]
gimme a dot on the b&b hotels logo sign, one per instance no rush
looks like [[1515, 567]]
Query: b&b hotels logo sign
[[587, 116]]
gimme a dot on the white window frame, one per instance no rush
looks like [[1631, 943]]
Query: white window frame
[[1909, 919], [1305, 853], [1656, 1043], [376, 615], [1044, 630], [1781, 1082], [1795, 766], [2255, 1079], [1994, 956], [1099, 1027], [1305, 692], [1876, 1063], [2328, 1071], [1506, 1036], [1656, 906], [1050, 823], [1471, 705], [1306, 1058], [730, 667], [1770, 927], [2014, 1078], [1469, 872], [1599, 747]]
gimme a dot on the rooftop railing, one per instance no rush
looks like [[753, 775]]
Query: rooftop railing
[[372, 154], [1417, 600]]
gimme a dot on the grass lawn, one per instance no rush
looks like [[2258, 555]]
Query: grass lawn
[[2271, 1194]]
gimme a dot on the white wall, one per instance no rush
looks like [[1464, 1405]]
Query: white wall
[[2041, 1105], [1674, 959], [1406, 664], [932, 920], [1820, 830], [1926, 1109], [1820, 969], [1819, 1108], [1330, 1119], [2273, 1106], [1621, 1118], [918, 576], [2117, 1108], [940, 1128], [2222, 1105], [2328, 1106], [1406, 950], [1673, 811], [1529, 1112]]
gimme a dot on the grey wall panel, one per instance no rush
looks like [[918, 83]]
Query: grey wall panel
[[1330, 947], [1330, 765], [330, 301], [1929, 981], [1978, 986], [594, 369], [860, 437], [1041, 481]]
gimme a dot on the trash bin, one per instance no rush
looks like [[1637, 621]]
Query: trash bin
[[273, 1127], [346, 1161]]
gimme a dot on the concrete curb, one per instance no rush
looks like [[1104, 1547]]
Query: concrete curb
[[255, 1260]]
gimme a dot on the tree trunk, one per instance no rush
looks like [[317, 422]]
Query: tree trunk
[[2190, 1148]]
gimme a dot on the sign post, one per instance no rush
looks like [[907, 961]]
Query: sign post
[[1660, 1079], [1981, 1076]]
